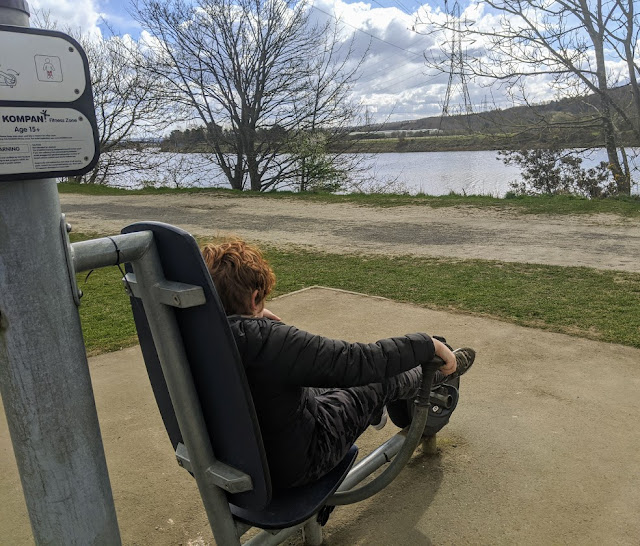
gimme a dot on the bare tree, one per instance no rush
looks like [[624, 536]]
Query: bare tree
[[622, 34], [127, 101], [561, 43], [257, 74], [128, 105]]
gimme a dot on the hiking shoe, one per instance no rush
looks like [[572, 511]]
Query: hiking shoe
[[464, 360], [384, 417]]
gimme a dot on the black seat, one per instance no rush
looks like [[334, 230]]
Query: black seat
[[223, 391]]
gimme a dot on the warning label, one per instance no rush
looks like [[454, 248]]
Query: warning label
[[34, 140], [14, 154]]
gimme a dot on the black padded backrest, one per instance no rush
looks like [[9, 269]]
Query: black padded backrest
[[216, 367]]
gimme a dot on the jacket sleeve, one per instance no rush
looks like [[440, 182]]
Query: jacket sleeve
[[298, 358]]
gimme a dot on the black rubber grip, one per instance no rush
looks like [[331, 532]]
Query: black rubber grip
[[428, 371]]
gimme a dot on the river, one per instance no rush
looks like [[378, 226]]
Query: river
[[431, 173]]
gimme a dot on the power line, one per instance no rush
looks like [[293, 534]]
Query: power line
[[415, 86], [367, 33], [402, 7], [386, 87], [383, 7], [372, 74]]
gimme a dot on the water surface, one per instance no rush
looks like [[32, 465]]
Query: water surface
[[432, 173]]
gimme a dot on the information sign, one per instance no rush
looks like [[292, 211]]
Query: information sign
[[48, 127], [38, 140], [36, 67]]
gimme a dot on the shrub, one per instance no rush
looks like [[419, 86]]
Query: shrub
[[551, 171]]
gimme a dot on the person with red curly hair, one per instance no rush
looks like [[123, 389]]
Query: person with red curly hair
[[242, 277], [313, 395]]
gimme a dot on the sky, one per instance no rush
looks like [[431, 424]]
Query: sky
[[395, 83]]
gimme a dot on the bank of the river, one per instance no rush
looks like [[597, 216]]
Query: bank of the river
[[394, 144], [473, 142], [463, 143], [542, 204], [439, 143], [598, 240]]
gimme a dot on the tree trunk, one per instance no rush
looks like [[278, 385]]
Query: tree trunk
[[303, 174], [238, 172], [622, 182], [608, 130], [254, 172]]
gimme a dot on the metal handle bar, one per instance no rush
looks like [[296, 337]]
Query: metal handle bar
[[413, 438]]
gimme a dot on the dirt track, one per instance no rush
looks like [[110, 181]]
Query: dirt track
[[599, 241]]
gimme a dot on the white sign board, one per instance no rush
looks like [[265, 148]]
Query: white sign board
[[48, 123], [37, 140], [35, 67]]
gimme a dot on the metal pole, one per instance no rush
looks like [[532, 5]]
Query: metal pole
[[175, 367], [44, 376], [367, 466], [14, 12], [108, 251], [269, 538], [312, 533]]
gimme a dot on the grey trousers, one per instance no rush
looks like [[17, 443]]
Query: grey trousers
[[344, 414]]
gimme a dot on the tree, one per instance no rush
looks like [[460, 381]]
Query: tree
[[315, 171], [552, 171], [128, 105], [246, 67], [127, 101], [570, 45]]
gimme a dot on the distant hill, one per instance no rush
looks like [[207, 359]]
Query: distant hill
[[566, 122]]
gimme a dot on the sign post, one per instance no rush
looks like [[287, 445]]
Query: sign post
[[47, 119], [46, 130]]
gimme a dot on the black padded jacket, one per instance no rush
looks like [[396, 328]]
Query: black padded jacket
[[280, 361]]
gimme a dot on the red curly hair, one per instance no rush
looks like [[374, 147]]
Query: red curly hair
[[237, 269]]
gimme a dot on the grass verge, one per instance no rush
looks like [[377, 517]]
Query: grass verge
[[600, 305], [556, 204]]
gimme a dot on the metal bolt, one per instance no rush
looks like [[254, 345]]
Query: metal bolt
[[70, 50], [76, 91], [80, 118], [127, 286], [435, 409], [68, 227], [86, 158]]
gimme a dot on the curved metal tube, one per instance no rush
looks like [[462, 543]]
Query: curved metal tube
[[414, 436], [107, 251]]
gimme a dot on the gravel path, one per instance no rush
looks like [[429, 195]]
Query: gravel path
[[598, 241]]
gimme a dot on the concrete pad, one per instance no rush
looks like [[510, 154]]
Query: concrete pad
[[543, 448]]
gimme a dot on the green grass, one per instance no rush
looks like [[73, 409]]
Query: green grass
[[601, 305], [557, 204], [107, 323]]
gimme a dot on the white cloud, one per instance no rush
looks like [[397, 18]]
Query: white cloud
[[395, 83], [83, 15]]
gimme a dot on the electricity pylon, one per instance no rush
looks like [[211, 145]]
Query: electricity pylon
[[457, 76]]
